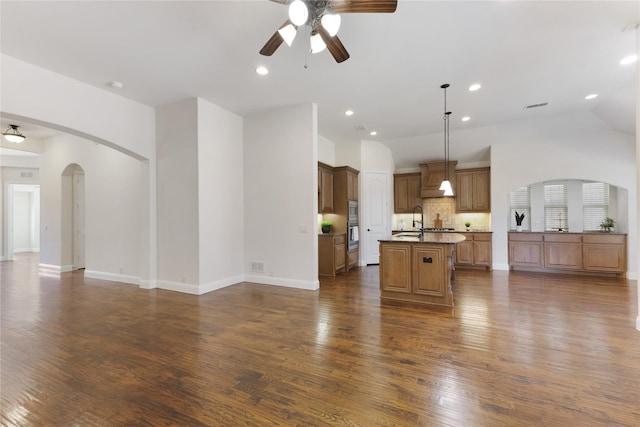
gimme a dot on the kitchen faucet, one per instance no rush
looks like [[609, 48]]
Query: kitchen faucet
[[413, 216]]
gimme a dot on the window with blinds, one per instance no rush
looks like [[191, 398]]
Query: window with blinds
[[555, 207], [595, 204], [519, 201]]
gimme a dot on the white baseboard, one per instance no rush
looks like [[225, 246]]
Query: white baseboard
[[113, 277], [310, 285], [66, 268], [219, 284], [148, 284], [49, 270], [185, 288], [23, 250], [502, 267], [638, 323], [632, 275]]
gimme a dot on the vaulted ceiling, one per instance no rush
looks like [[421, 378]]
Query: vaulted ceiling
[[522, 52]]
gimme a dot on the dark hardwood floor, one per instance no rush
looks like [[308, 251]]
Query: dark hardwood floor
[[518, 349]]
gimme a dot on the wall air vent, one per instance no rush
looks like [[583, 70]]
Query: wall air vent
[[360, 128], [526, 107], [257, 267], [26, 174]]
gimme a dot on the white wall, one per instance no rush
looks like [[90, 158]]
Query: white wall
[[280, 189], [326, 151], [113, 189], [221, 197], [41, 96], [577, 146], [177, 195]]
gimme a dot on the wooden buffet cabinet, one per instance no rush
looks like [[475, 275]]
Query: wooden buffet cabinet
[[578, 253]]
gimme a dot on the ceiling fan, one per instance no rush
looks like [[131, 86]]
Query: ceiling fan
[[324, 19]]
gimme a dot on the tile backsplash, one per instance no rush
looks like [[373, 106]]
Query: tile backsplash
[[446, 207]]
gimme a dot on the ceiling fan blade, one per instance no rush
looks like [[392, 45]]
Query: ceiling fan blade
[[364, 6], [280, 1], [274, 42], [334, 45]]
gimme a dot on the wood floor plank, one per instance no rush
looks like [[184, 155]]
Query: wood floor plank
[[518, 349]]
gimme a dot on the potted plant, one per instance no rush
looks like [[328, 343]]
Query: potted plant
[[607, 224], [519, 219], [467, 224], [326, 226]]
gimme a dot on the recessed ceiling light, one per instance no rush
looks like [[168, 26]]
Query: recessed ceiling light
[[593, 95], [348, 113], [475, 87], [263, 71], [629, 59], [465, 118], [373, 133]]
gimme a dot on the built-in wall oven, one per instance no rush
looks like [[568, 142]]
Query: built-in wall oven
[[353, 235], [353, 232]]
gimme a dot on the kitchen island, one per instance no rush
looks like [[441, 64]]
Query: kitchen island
[[417, 268]]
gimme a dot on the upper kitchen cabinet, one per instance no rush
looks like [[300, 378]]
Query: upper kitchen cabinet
[[325, 188], [473, 190], [406, 192], [345, 180]]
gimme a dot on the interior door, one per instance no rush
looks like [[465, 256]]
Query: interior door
[[375, 215]]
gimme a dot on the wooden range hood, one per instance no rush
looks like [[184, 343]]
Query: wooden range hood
[[432, 175]]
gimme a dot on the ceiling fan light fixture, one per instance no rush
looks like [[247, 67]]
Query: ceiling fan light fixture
[[12, 134], [331, 23], [288, 33], [298, 13], [317, 44]]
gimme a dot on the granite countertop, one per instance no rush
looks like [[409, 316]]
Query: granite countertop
[[430, 237], [568, 232], [445, 231]]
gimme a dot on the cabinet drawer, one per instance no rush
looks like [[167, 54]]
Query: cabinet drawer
[[339, 239], [484, 237], [563, 238], [609, 239], [525, 237]]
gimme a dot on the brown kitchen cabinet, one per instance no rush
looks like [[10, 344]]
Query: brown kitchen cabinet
[[331, 254], [473, 190], [325, 188], [345, 186], [526, 250], [406, 192], [563, 251], [604, 253], [577, 253], [475, 251], [352, 258]]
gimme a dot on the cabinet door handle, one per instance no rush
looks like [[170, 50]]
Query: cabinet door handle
[[427, 259]]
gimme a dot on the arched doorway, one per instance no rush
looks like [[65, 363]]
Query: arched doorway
[[73, 218]]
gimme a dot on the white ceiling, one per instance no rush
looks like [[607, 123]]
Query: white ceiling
[[523, 52]]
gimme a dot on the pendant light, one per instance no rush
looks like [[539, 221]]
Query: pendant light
[[446, 184], [12, 134]]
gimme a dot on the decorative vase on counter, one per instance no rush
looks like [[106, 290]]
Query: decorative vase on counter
[[326, 229], [518, 228]]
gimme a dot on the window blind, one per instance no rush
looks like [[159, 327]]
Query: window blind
[[595, 204], [519, 201], [555, 206]]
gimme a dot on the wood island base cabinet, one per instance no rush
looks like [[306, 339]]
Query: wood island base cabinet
[[576, 253], [416, 273]]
